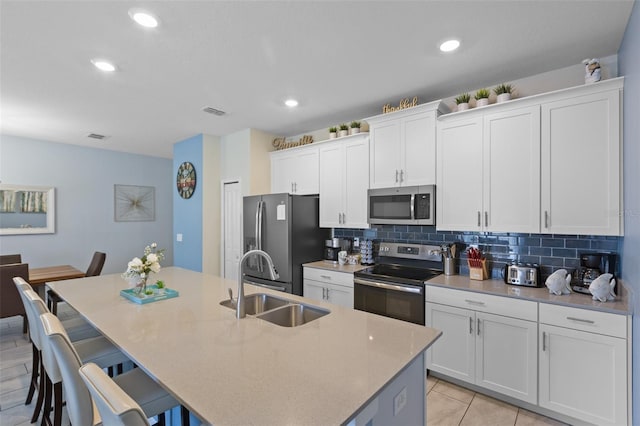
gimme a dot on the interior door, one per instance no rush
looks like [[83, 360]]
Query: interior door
[[276, 217], [232, 238]]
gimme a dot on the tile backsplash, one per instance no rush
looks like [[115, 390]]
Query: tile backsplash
[[550, 251]]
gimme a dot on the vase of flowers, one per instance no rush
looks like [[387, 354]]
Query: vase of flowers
[[139, 269]]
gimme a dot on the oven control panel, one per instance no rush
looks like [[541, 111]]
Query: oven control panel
[[410, 251]]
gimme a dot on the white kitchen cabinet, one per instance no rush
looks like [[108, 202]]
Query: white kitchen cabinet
[[489, 172], [344, 180], [582, 162], [403, 146], [584, 374], [295, 170], [329, 286], [497, 352]]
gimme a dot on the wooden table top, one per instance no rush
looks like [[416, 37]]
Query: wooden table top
[[39, 276]]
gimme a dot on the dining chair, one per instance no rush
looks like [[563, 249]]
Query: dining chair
[[94, 349], [10, 302], [7, 259], [142, 389], [115, 406], [77, 329], [94, 269]]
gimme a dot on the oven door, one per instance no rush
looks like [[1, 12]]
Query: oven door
[[400, 301]]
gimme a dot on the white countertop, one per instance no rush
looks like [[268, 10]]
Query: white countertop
[[537, 294], [249, 371], [329, 266]]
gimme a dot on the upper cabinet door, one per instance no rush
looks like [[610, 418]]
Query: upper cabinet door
[[295, 171], [356, 183], [385, 154], [459, 189], [419, 149], [306, 179], [331, 185], [512, 171], [581, 165]]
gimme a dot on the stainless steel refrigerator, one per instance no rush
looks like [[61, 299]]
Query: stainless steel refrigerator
[[286, 227]]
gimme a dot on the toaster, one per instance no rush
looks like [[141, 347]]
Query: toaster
[[525, 275]]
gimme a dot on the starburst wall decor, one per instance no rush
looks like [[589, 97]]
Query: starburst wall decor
[[134, 203]]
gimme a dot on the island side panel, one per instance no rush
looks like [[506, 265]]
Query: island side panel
[[402, 402]]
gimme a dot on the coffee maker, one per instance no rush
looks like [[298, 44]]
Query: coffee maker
[[335, 245], [592, 265]]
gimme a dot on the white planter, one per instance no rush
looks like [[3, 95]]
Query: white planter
[[463, 106], [482, 102], [355, 130], [503, 97], [343, 133], [333, 135]]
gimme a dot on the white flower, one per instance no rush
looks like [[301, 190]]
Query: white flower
[[155, 267], [135, 263], [152, 258]]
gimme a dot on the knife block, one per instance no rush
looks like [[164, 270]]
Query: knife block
[[478, 272]]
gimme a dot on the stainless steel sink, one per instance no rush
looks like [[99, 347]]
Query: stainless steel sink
[[293, 315], [258, 303]]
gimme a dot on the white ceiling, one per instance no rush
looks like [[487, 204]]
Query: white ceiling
[[342, 59]]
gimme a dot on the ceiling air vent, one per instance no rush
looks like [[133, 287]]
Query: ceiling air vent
[[97, 136], [213, 111]]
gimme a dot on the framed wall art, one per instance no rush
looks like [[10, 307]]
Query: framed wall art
[[133, 203]]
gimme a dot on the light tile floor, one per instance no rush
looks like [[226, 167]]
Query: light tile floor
[[447, 404]]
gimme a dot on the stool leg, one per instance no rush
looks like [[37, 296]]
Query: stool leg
[[161, 420], [184, 416], [46, 410], [41, 392], [57, 410], [35, 366]]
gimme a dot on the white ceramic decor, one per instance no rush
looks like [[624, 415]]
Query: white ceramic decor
[[559, 282], [602, 288]]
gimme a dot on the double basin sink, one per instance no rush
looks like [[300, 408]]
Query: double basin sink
[[282, 312]]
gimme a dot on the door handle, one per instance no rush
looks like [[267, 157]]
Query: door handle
[[396, 176], [323, 293], [474, 302], [546, 219], [327, 294], [581, 320], [470, 325], [386, 286], [486, 219], [479, 223], [478, 326], [295, 187], [544, 341], [326, 277], [401, 176]]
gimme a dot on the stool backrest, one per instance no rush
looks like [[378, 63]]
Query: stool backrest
[[6, 259], [48, 358], [116, 407], [10, 301], [97, 262], [33, 319]]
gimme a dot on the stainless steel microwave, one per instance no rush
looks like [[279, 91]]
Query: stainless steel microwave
[[408, 205]]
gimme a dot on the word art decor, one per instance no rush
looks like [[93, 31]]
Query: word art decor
[[281, 143], [404, 104]]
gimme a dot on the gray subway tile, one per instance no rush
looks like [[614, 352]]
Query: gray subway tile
[[560, 252], [581, 244]]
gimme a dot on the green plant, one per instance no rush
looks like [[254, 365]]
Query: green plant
[[355, 124], [148, 292], [482, 93], [333, 129], [463, 99], [503, 88], [160, 284], [344, 127]]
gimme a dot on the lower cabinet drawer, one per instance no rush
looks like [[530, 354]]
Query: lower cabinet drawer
[[584, 320], [333, 277], [498, 305]]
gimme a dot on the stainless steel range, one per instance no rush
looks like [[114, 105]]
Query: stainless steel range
[[395, 286]]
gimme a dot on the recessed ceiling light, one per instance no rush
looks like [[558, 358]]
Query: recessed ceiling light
[[291, 103], [143, 18], [103, 65], [450, 45]]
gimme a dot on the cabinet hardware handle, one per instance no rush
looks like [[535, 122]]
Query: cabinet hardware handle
[[396, 176], [339, 218], [326, 277], [544, 341], [401, 175], [581, 320], [344, 218], [478, 326], [295, 185], [470, 325], [486, 219], [327, 294], [323, 291], [479, 223], [546, 219], [474, 302]]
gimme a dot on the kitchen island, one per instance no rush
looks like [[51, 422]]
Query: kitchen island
[[345, 367]]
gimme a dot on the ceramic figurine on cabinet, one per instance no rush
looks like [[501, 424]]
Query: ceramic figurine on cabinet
[[559, 282], [592, 70], [602, 288]]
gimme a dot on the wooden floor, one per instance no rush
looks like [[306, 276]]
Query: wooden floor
[[447, 404]]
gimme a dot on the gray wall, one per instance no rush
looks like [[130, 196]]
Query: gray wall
[[84, 180], [629, 65]]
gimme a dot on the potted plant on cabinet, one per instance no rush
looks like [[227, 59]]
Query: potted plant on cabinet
[[355, 127], [463, 101], [344, 130], [333, 132], [503, 92], [482, 97]]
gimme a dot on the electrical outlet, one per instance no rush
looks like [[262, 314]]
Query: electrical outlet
[[356, 242], [399, 401], [179, 238]]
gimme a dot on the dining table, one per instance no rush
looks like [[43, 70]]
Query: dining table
[[40, 276], [225, 370]]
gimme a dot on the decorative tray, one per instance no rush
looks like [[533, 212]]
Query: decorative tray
[[130, 294]]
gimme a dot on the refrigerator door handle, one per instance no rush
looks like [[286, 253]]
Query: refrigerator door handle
[[259, 234]]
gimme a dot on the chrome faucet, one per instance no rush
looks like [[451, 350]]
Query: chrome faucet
[[273, 275]]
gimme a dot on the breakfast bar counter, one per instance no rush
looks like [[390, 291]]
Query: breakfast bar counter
[[250, 371]]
